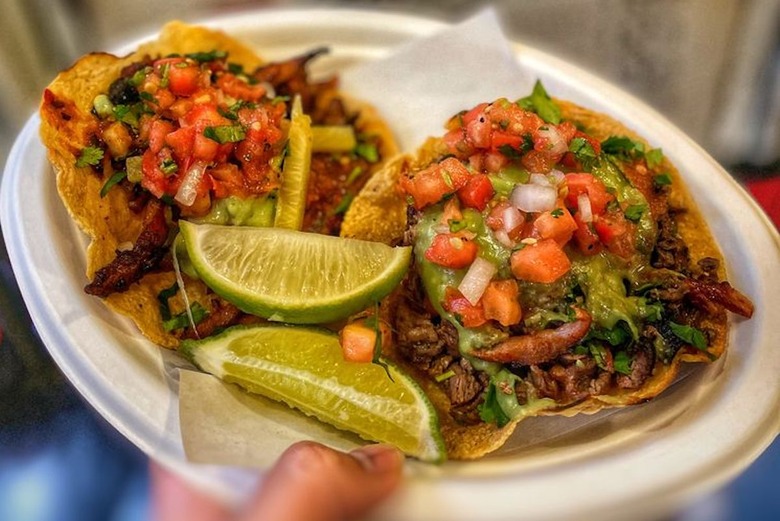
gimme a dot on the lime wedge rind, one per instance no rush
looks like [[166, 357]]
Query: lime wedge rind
[[299, 292], [302, 367], [291, 202]]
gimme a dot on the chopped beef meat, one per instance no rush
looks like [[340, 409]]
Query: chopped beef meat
[[642, 364], [670, 251], [130, 265]]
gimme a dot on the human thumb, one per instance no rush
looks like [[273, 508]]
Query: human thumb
[[311, 482]]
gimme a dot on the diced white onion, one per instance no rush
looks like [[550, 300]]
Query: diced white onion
[[556, 177], [270, 91], [534, 198], [512, 218], [539, 179], [556, 143], [503, 238], [583, 205], [188, 189], [477, 278]]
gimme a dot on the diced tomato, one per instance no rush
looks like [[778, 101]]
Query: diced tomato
[[357, 342], [237, 88], [495, 161], [153, 179], [468, 314], [157, 132], [616, 233], [226, 180], [164, 98], [567, 131], [456, 142], [585, 237], [499, 302], [181, 142], [510, 117], [501, 138], [557, 225], [478, 131], [183, 81], [474, 113], [537, 162], [544, 261], [451, 251], [429, 186], [477, 192], [580, 183], [203, 115], [204, 148]]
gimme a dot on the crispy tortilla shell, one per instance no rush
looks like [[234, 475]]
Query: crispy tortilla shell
[[68, 125], [379, 213]]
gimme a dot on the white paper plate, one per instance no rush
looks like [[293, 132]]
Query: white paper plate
[[702, 432]]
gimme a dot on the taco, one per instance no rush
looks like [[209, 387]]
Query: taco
[[560, 266], [193, 125]]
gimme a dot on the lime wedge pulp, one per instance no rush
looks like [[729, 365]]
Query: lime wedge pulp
[[291, 276], [303, 367], [333, 138], [295, 171]]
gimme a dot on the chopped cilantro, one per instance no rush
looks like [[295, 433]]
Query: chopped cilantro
[[654, 157], [622, 145], [622, 362], [232, 111], [115, 178], [353, 175], [662, 179], [162, 299], [235, 68], [490, 410], [457, 225], [203, 57], [635, 211], [164, 75], [509, 151], [373, 321], [89, 156], [147, 97], [225, 133], [181, 320], [689, 334], [581, 148], [599, 354], [367, 151], [128, 114], [344, 204], [445, 376], [541, 103], [169, 167], [557, 213]]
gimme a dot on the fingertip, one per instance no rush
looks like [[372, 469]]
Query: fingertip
[[379, 458]]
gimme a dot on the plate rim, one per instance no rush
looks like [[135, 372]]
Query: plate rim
[[28, 135]]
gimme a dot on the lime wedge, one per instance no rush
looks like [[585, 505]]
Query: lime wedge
[[303, 368], [333, 138], [291, 276], [295, 171]]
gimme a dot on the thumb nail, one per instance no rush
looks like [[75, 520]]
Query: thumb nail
[[379, 458]]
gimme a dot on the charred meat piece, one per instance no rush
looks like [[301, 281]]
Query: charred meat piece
[[130, 265], [539, 346]]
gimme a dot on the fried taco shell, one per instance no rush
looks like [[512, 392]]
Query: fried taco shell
[[69, 124], [380, 213]]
